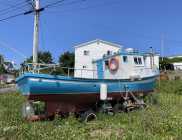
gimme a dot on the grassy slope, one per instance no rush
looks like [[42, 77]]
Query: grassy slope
[[160, 121]]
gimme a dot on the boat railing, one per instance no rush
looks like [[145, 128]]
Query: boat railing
[[52, 68]]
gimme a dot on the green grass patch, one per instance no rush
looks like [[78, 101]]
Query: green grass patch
[[161, 120]]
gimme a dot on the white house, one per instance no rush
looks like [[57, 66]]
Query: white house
[[87, 52], [177, 65], [174, 56]]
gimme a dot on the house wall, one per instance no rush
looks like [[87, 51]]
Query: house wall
[[177, 66], [83, 63]]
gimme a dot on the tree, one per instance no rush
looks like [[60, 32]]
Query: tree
[[2, 68], [166, 63], [65, 60], [1, 59], [43, 57]]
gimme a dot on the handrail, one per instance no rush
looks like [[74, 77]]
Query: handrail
[[38, 67]]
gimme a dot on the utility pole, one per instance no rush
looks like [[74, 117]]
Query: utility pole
[[36, 32], [162, 47]]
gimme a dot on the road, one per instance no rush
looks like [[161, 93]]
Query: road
[[10, 89]]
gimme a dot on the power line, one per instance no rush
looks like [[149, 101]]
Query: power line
[[89, 7], [54, 3], [31, 11], [70, 3], [13, 16], [3, 44], [14, 9], [12, 6]]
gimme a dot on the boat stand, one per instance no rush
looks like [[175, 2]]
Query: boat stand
[[106, 108], [131, 102]]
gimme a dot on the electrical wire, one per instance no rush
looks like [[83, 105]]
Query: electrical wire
[[54, 3], [23, 13], [70, 3], [104, 4], [14, 9], [4, 45], [10, 17], [12, 6]]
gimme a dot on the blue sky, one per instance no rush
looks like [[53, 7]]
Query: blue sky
[[133, 23]]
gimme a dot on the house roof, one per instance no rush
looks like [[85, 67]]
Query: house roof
[[174, 56], [98, 41]]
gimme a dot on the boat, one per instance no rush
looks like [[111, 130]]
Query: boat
[[67, 94], [119, 79]]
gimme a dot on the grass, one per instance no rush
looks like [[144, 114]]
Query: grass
[[160, 121]]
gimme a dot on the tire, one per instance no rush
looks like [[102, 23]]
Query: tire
[[88, 116]]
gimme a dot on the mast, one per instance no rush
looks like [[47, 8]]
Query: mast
[[36, 32]]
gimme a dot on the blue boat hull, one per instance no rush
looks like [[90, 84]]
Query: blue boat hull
[[33, 84], [75, 94]]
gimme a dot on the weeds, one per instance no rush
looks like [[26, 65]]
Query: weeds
[[161, 120]]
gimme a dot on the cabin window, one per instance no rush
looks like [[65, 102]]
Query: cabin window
[[86, 52], [138, 60], [109, 52], [125, 59], [135, 60], [106, 64]]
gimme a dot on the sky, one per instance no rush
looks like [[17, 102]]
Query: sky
[[138, 24]]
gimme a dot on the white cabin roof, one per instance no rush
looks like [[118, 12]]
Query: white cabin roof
[[98, 41]]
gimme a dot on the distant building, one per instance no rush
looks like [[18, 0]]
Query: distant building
[[9, 66], [174, 56], [87, 52], [177, 65], [7, 79]]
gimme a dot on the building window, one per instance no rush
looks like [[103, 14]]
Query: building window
[[84, 67], [86, 52], [125, 59]]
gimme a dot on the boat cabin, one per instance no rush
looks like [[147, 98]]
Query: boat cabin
[[126, 65]]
